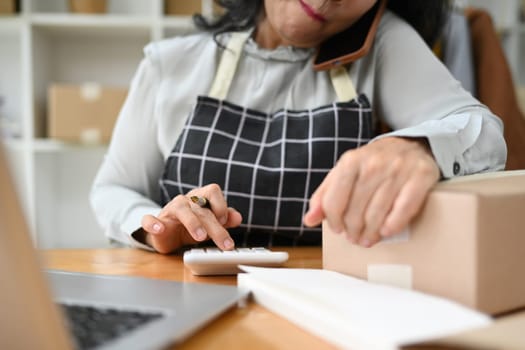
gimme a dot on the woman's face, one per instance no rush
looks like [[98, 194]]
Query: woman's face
[[306, 23]]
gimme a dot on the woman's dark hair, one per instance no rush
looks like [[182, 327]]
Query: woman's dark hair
[[426, 16]]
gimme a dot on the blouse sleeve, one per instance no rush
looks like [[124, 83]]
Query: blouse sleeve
[[416, 96], [126, 185]]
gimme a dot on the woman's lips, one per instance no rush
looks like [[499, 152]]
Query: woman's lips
[[310, 11]]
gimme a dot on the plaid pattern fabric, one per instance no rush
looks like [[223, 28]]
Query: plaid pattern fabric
[[268, 165]]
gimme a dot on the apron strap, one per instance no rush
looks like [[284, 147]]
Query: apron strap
[[343, 86], [228, 65]]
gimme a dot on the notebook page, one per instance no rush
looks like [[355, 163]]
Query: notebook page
[[353, 313]]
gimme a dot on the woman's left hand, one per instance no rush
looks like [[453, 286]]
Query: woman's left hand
[[374, 191]]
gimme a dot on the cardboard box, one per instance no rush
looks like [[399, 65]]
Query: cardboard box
[[83, 113], [467, 244], [183, 7], [217, 10], [88, 6], [7, 6]]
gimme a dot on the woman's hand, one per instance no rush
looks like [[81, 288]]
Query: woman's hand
[[374, 191], [183, 222]]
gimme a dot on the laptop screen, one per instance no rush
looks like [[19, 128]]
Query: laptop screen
[[26, 299]]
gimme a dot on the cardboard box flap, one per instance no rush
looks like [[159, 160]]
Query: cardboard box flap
[[501, 183]]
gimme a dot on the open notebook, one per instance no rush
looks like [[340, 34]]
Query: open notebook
[[356, 314], [61, 310]]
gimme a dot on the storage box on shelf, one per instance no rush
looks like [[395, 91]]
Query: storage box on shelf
[[178, 15], [108, 56], [84, 113], [182, 8], [88, 6], [7, 7], [191, 7]]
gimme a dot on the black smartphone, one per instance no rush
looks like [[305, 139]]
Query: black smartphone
[[352, 43]]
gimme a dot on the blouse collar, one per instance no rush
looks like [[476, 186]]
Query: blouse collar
[[281, 53]]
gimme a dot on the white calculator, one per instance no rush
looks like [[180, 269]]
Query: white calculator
[[213, 261]]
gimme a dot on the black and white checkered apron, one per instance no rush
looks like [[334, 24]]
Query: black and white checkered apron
[[267, 164]]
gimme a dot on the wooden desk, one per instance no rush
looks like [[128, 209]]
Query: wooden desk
[[252, 327]]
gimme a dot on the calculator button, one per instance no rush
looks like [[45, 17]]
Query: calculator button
[[260, 250], [213, 250]]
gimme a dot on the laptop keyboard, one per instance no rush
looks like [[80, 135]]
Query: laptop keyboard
[[94, 326]]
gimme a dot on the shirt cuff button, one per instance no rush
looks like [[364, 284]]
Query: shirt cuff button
[[456, 168]]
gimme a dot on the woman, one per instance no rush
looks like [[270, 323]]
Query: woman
[[241, 118]]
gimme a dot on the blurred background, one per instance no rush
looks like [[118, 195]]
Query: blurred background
[[65, 66]]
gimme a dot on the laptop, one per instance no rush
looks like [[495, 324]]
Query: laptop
[[63, 310]]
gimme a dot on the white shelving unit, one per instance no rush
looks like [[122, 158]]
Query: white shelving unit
[[45, 43]]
